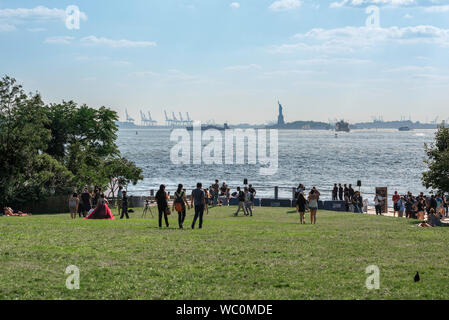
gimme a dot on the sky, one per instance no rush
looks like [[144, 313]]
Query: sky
[[231, 61]]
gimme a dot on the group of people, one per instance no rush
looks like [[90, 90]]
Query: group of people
[[303, 203], [246, 200], [416, 207], [352, 198], [87, 202], [181, 204]]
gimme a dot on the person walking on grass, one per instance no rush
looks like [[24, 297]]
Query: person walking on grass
[[301, 207], [241, 197], [162, 205], [199, 201], [314, 195], [124, 206], [74, 202], [180, 203], [248, 202]]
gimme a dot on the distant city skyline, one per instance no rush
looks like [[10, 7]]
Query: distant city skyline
[[231, 61]]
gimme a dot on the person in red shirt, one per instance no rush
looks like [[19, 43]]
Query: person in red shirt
[[396, 198]]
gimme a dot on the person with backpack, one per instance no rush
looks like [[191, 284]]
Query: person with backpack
[[241, 197], [179, 204]]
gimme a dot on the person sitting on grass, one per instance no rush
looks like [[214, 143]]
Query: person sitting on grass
[[301, 207]]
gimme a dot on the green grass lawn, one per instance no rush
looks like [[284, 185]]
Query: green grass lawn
[[268, 256]]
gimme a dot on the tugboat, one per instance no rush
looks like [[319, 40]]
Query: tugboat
[[210, 126], [404, 129], [342, 126]]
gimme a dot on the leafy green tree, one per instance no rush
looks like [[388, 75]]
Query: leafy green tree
[[23, 137], [437, 175], [54, 149], [121, 172]]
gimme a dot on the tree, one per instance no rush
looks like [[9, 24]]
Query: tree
[[437, 175], [54, 149], [23, 137], [121, 172]]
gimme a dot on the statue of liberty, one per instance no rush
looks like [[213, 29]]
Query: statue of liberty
[[281, 121]]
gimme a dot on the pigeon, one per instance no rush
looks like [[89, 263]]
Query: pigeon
[[417, 278]]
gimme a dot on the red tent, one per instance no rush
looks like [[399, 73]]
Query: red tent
[[101, 212]]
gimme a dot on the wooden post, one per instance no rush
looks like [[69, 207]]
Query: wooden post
[[276, 192]]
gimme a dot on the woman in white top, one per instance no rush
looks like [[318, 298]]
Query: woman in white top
[[73, 205], [314, 195]]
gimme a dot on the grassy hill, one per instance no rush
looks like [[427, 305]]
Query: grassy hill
[[268, 256]]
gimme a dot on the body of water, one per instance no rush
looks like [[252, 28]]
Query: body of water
[[314, 158]]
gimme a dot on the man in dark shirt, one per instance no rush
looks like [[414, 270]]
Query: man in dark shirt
[[86, 198], [199, 201], [351, 191], [334, 192], [215, 189], [340, 192], [241, 197], [124, 206]]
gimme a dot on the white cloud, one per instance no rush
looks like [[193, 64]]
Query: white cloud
[[235, 5], [123, 43], [352, 39], [384, 3], [285, 5], [408, 16], [38, 13], [59, 40], [437, 9], [244, 67]]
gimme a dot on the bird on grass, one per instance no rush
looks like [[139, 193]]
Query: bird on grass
[[417, 278]]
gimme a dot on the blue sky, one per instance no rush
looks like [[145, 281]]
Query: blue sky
[[232, 60]]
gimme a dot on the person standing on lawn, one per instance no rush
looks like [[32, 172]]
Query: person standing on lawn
[[162, 205], [301, 207], [199, 201], [124, 206], [314, 195], [241, 197], [180, 203]]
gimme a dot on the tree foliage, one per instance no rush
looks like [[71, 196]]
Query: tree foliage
[[437, 175], [52, 149]]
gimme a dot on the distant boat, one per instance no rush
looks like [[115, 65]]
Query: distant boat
[[210, 126], [404, 129], [342, 126]]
